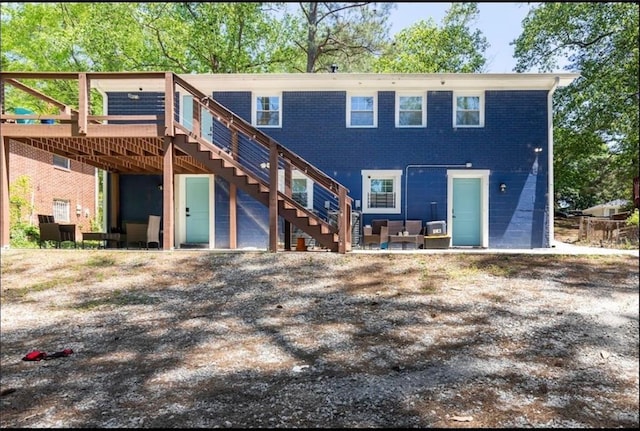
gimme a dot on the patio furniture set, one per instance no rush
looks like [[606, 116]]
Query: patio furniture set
[[383, 233], [140, 235]]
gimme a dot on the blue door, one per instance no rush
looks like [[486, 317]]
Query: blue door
[[197, 210], [466, 212]]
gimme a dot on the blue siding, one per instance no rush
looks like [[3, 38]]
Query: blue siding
[[314, 126]]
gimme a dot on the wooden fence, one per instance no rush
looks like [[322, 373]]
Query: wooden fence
[[606, 231]]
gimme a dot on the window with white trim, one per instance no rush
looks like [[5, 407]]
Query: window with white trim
[[61, 162], [61, 210], [266, 111], [301, 187], [381, 191], [468, 109], [362, 110], [411, 110]]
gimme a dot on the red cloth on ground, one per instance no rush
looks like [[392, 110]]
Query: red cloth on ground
[[35, 355]]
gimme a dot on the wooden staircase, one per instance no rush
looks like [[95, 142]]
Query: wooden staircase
[[224, 166], [238, 152], [225, 160]]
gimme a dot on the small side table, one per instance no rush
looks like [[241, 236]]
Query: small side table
[[405, 239], [101, 236], [437, 241]]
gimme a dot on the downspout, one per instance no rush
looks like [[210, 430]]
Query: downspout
[[406, 179], [551, 198]]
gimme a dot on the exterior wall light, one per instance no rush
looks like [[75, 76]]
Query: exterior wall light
[[502, 187], [537, 150]]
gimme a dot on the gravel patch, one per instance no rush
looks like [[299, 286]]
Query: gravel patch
[[313, 339]]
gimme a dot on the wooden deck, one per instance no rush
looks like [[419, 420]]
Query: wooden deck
[[158, 144]]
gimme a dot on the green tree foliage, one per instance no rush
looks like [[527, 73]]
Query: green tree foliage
[[183, 37], [426, 48], [347, 35], [20, 207], [596, 118]]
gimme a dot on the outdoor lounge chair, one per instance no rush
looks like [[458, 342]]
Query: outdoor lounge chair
[[414, 227], [377, 234], [55, 232], [395, 227], [153, 231]]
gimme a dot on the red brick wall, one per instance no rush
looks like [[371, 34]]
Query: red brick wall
[[77, 185]]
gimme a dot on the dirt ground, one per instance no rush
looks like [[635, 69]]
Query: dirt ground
[[309, 340]]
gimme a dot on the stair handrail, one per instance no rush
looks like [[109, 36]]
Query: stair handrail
[[239, 124]]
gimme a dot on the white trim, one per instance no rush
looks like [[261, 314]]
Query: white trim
[[483, 174], [550, 180], [266, 82], [395, 175], [180, 228], [66, 160], [254, 108], [480, 95], [400, 94], [373, 95]]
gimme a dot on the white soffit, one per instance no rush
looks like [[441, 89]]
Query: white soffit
[[209, 83]]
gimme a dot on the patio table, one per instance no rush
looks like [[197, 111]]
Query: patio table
[[104, 237]]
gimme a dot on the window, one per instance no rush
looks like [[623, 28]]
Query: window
[[186, 118], [361, 111], [411, 110], [381, 191], [61, 210], [60, 162], [266, 111], [301, 187], [468, 110]]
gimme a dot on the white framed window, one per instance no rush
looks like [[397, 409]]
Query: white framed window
[[61, 162], [362, 110], [468, 109], [61, 210], [381, 191], [301, 187], [266, 110], [411, 110]]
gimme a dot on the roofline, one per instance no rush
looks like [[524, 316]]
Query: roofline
[[209, 83]]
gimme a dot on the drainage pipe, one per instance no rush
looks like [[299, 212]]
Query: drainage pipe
[[406, 179], [550, 186]]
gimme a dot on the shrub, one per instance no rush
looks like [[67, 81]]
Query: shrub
[[632, 220]]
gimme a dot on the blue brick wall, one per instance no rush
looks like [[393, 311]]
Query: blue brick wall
[[147, 103], [139, 198], [314, 126]]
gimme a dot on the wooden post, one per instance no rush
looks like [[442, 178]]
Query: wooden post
[[83, 103], [288, 192], [4, 193], [167, 195], [273, 196], [233, 198]]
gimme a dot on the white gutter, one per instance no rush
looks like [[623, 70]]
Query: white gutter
[[551, 192]]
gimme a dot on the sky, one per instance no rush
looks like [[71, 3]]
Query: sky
[[500, 23]]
